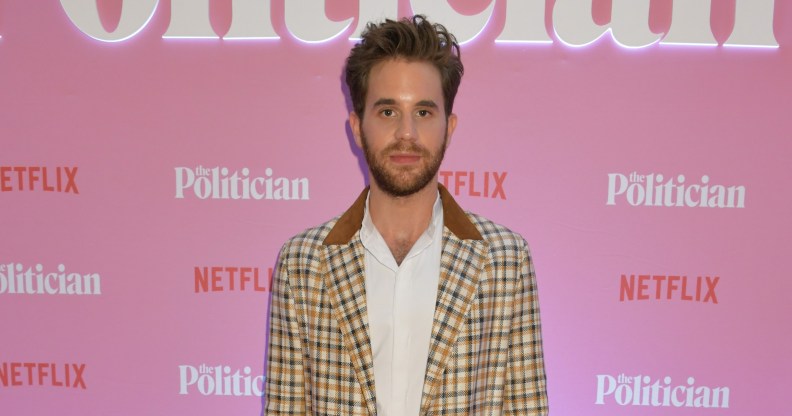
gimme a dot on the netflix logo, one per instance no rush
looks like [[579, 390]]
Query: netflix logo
[[232, 279], [662, 287], [474, 184], [42, 374], [38, 178]]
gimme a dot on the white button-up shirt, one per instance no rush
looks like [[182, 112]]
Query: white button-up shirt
[[401, 302]]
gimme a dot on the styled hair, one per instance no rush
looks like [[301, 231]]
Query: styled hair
[[412, 39]]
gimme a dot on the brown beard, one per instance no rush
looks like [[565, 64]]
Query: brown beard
[[398, 183]]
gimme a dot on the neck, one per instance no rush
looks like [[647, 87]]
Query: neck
[[402, 219]]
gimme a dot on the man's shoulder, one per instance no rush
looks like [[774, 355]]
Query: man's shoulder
[[310, 238], [496, 235]]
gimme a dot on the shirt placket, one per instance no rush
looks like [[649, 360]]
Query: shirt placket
[[400, 335]]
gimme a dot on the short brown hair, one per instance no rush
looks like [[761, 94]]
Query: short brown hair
[[413, 39]]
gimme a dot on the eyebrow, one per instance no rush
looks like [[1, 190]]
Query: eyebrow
[[426, 103], [391, 101], [384, 101]]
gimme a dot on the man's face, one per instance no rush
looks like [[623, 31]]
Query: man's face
[[404, 132]]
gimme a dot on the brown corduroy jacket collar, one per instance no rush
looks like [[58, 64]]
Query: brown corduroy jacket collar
[[454, 218]]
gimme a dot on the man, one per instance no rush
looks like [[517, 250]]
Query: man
[[405, 304]]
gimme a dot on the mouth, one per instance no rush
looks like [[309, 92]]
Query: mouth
[[404, 158]]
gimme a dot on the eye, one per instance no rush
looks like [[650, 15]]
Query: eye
[[387, 112], [424, 113]]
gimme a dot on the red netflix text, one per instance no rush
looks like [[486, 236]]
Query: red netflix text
[[230, 279], [38, 178], [475, 184], [647, 286], [42, 374]]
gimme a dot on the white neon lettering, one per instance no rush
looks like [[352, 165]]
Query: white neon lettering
[[374, 11], [306, 20], [573, 23], [135, 15], [250, 19], [465, 28], [629, 25], [190, 20], [525, 22], [753, 24], [690, 24]]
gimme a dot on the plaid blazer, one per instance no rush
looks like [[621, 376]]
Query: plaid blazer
[[485, 355]]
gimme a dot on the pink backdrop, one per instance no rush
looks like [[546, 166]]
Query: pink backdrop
[[548, 126]]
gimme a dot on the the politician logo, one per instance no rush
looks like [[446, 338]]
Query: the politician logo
[[39, 178], [16, 374], [232, 279], [641, 390], [15, 278], [524, 21], [224, 183], [668, 287], [474, 184], [656, 190], [220, 380]]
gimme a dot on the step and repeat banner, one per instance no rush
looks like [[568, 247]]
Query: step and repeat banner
[[156, 154]]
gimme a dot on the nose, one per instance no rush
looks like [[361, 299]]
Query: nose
[[406, 129]]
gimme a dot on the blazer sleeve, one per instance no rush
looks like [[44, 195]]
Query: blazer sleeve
[[285, 390], [525, 390]]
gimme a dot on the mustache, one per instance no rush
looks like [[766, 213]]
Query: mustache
[[402, 147]]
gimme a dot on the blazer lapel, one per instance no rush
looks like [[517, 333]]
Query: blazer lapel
[[345, 283], [463, 256], [460, 267]]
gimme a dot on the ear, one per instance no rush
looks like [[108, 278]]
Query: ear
[[354, 124], [450, 127]]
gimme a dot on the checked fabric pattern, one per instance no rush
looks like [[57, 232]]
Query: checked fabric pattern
[[485, 355]]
